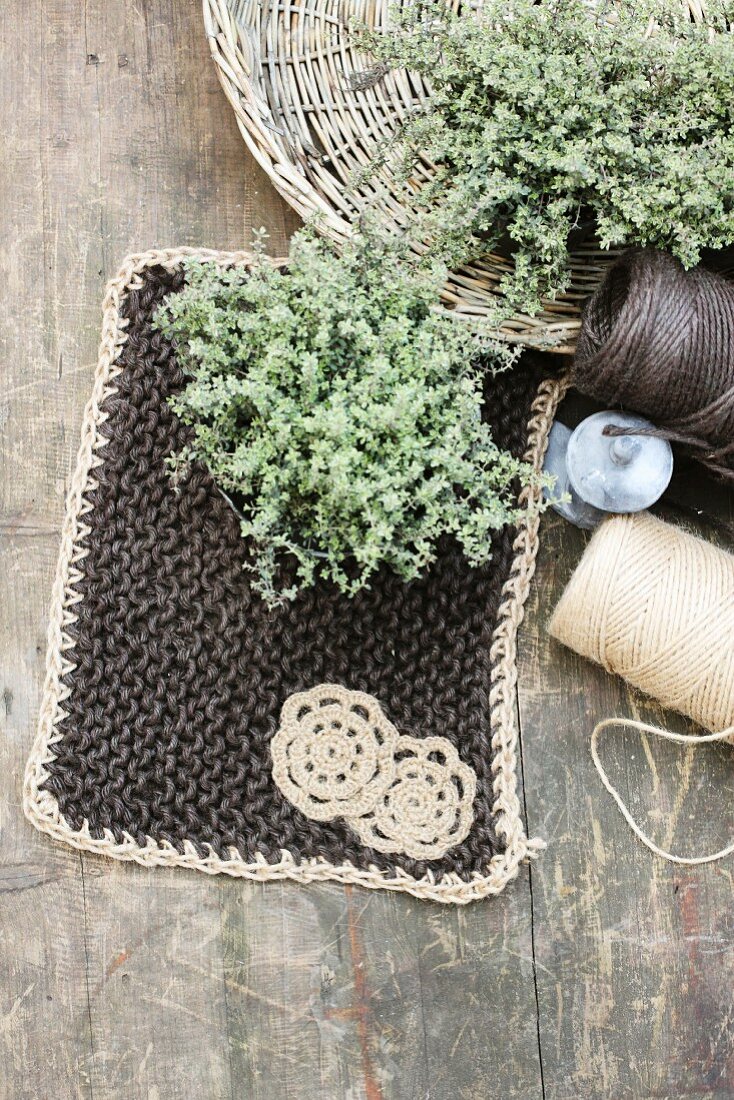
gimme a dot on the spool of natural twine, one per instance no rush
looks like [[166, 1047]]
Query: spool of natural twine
[[659, 340], [655, 605]]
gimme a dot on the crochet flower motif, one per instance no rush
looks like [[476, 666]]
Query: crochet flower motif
[[333, 752], [428, 807], [336, 755]]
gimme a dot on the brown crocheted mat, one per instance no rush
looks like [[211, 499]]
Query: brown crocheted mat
[[369, 740]]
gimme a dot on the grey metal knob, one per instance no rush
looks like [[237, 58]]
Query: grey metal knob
[[604, 474], [623, 449]]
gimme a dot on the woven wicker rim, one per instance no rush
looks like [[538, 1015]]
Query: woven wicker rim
[[286, 66], [42, 809]]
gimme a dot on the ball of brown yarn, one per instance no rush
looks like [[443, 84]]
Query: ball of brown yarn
[[659, 340]]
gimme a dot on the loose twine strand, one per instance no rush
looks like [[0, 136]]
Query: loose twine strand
[[666, 735], [659, 340]]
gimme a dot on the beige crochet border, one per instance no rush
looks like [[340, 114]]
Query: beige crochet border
[[42, 809]]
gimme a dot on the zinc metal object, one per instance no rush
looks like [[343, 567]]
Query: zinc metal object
[[598, 474]]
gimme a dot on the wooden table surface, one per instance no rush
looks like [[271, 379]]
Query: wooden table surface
[[601, 972]]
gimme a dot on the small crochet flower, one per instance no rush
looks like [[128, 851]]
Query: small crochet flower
[[428, 807], [333, 752]]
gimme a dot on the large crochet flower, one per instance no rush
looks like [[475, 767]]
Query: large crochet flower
[[428, 807], [333, 752]]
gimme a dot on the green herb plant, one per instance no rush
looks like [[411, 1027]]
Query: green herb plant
[[543, 117], [339, 409]]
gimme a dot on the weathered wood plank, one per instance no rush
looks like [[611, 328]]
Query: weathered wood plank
[[338, 993], [631, 952], [50, 262], [45, 1039], [469, 973], [294, 1029], [156, 992]]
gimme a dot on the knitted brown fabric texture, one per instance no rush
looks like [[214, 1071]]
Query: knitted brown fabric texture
[[180, 670]]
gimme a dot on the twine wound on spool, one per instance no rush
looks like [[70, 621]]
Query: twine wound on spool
[[655, 605], [659, 340]]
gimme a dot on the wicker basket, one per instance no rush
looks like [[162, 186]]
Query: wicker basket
[[286, 67]]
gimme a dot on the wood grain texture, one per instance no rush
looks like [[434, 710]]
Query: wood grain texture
[[605, 974], [44, 1010], [343, 993]]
